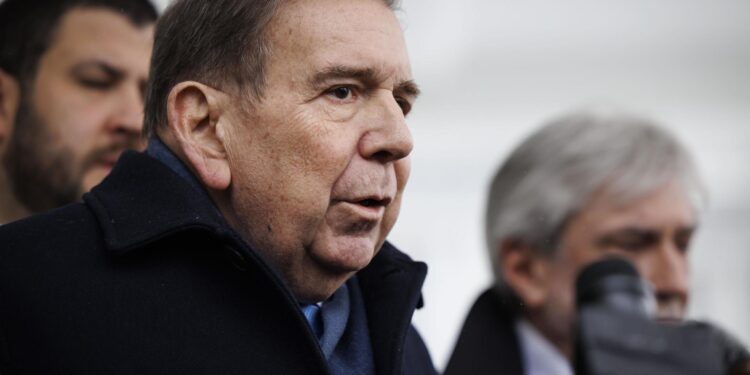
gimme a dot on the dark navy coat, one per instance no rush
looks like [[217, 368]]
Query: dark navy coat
[[145, 277]]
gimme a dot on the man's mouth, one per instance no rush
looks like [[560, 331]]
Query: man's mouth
[[670, 312], [106, 163], [110, 159], [366, 209], [374, 202]]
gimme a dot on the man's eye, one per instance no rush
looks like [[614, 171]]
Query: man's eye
[[629, 245], [98, 84], [682, 243], [143, 89], [404, 104], [341, 92]]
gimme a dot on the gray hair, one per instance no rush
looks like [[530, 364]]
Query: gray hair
[[557, 170]]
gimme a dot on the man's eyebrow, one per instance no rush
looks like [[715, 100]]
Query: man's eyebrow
[[368, 76], [105, 67], [409, 88], [643, 234], [687, 230]]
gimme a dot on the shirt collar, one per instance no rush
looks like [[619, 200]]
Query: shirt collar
[[539, 356], [159, 151]]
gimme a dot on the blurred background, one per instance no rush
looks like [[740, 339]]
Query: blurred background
[[493, 71]]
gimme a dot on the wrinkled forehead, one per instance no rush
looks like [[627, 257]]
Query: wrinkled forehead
[[362, 33]]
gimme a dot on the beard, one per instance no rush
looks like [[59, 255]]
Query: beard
[[43, 173]]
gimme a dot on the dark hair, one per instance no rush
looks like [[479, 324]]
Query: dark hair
[[220, 43], [27, 27]]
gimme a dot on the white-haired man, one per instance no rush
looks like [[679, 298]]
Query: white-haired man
[[584, 186]]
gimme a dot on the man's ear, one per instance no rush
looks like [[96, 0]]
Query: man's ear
[[194, 111], [525, 271], [10, 95]]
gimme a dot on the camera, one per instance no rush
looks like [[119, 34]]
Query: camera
[[616, 335]]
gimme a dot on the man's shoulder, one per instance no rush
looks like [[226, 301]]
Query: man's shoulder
[[487, 343], [41, 249], [124, 200], [490, 318], [67, 223]]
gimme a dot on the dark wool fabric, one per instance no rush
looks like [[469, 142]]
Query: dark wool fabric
[[145, 277], [487, 344]]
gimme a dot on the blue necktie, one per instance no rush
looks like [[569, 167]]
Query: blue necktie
[[312, 314]]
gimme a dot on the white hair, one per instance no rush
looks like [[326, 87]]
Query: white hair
[[558, 169]]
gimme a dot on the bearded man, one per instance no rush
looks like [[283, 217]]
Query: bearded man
[[72, 79]]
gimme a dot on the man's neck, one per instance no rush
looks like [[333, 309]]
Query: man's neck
[[561, 341], [11, 208], [539, 355]]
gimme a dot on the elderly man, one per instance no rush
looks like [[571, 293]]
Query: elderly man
[[582, 187], [250, 237], [72, 78]]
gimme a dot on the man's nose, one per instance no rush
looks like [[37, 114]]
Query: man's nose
[[127, 116], [668, 273], [388, 138]]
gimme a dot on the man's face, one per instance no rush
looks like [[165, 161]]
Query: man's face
[[653, 232], [319, 165], [82, 109]]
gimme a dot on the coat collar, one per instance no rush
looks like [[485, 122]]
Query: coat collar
[[143, 200], [391, 286]]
